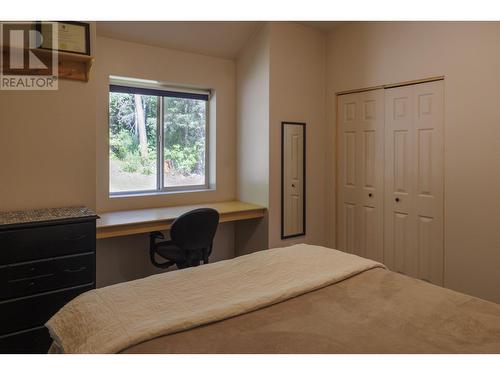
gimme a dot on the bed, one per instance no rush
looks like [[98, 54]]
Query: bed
[[299, 299]]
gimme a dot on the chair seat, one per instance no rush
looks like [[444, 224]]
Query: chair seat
[[170, 251]]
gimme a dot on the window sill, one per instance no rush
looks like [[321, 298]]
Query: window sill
[[160, 193]]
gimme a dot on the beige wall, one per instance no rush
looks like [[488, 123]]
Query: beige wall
[[119, 58], [468, 55], [297, 93], [47, 147], [252, 78], [49, 140], [252, 81], [54, 144], [281, 77], [125, 258]]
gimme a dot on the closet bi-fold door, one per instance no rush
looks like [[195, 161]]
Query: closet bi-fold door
[[360, 170], [413, 242]]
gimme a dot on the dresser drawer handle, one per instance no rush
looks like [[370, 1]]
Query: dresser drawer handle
[[31, 278], [76, 238], [83, 268]]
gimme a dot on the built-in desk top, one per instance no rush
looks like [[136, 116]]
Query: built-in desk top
[[123, 223], [15, 218]]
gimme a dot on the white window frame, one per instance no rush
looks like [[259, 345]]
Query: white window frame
[[132, 83]]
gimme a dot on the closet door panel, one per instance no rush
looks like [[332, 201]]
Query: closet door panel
[[414, 181], [349, 233], [390, 178], [371, 166], [350, 167], [399, 246], [429, 201], [347, 169], [360, 171], [370, 226]]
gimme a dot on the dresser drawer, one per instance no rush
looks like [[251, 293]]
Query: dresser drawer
[[32, 341], [29, 312], [19, 245], [34, 277]]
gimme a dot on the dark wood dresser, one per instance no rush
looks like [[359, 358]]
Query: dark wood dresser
[[47, 258]]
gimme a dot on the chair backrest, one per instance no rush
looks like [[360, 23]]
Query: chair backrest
[[195, 229]]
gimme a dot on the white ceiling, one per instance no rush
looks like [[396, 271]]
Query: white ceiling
[[219, 39]]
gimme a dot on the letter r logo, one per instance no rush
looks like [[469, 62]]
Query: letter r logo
[[27, 60], [18, 47]]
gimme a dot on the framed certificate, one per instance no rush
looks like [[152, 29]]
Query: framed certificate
[[72, 36]]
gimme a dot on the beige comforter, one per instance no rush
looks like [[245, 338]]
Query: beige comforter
[[377, 311], [111, 319]]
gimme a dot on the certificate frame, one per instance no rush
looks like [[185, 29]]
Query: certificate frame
[[85, 39]]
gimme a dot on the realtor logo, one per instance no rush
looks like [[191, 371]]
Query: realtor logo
[[23, 66]]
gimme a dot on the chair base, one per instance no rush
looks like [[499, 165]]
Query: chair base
[[173, 254]]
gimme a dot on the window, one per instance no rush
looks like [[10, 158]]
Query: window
[[158, 139]]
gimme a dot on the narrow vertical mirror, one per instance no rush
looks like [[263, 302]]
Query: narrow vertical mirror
[[293, 179]]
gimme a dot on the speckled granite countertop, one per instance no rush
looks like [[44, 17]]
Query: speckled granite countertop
[[44, 214]]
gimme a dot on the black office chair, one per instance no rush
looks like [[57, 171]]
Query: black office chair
[[192, 235]]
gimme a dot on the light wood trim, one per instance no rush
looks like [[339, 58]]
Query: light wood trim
[[392, 85], [72, 66], [124, 223], [414, 82], [371, 88]]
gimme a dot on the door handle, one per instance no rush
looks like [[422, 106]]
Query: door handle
[[370, 195], [397, 199]]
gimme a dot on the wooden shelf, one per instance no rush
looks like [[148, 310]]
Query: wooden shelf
[[71, 65], [123, 223]]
